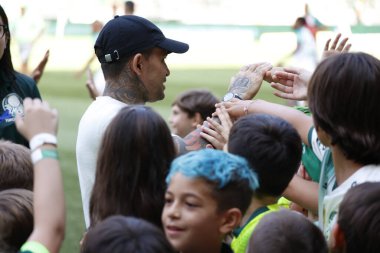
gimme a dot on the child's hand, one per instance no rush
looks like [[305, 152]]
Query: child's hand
[[38, 118], [291, 83]]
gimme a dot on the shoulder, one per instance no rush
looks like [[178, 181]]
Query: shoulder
[[27, 85], [24, 79]]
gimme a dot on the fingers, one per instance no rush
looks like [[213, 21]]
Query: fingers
[[285, 76], [335, 42], [282, 88], [346, 48], [327, 45], [284, 95], [342, 44]]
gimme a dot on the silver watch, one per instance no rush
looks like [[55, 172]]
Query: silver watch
[[230, 96]]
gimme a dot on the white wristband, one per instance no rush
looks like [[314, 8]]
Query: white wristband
[[39, 154], [40, 139]]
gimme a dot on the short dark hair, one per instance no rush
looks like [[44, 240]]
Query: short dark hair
[[16, 219], [131, 169], [120, 234], [286, 231], [130, 6], [193, 101], [272, 147], [359, 218], [16, 168], [344, 96], [112, 71]]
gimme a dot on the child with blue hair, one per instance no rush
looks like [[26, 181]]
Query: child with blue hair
[[208, 193]]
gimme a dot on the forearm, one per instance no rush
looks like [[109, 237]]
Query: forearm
[[301, 122], [49, 204], [191, 142], [303, 193]]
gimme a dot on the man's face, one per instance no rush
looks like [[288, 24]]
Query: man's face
[[154, 73]]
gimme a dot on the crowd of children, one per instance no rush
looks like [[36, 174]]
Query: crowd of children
[[230, 185]]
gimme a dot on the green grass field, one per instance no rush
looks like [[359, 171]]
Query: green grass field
[[70, 97]]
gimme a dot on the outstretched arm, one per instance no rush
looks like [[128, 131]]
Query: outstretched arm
[[247, 82], [301, 122], [49, 205], [39, 70]]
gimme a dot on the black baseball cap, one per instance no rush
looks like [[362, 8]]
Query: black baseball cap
[[126, 35]]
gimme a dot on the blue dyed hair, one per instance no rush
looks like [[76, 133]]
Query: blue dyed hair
[[233, 180]]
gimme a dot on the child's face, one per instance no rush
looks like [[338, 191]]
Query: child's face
[[190, 216], [180, 122]]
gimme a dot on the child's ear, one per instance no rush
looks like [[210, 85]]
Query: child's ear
[[324, 137], [231, 219], [136, 63], [337, 241], [197, 119]]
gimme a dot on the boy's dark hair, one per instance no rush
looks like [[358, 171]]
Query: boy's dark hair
[[16, 168], [16, 219], [272, 147], [131, 170], [359, 218], [129, 6], [193, 101], [120, 234], [344, 96], [286, 231]]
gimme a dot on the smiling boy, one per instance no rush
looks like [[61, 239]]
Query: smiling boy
[[207, 195]]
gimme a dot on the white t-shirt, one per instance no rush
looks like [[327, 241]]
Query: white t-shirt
[[331, 202], [90, 132], [306, 55]]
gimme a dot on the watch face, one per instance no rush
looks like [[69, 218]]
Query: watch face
[[228, 97]]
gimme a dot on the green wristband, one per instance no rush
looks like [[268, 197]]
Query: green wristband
[[40, 154]]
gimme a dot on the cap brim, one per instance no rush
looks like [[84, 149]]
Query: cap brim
[[173, 46]]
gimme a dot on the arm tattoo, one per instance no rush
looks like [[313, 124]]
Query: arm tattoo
[[191, 142], [240, 85]]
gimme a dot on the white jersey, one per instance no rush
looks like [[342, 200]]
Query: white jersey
[[91, 128], [331, 202]]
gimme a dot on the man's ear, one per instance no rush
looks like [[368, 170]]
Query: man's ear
[[337, 242], [137, 63], [230, 220]]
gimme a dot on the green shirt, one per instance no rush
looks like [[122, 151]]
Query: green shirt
[[33, 247], [12, 94], [240, 241]]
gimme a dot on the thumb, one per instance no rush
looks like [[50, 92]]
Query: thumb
[[19, 121]]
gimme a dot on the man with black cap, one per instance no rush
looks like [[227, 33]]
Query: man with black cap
[[132, 52]]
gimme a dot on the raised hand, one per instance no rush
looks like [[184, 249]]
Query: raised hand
[[38, 118], [218, 128], [90, 85], [39, 70], [333, 50], [246, 83], [291, 83]]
